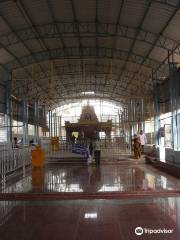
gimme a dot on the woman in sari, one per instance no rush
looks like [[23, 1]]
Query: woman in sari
[[137, 147]]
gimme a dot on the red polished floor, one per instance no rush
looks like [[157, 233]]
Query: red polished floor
[[92, 219], [115, 218], [91, 179]]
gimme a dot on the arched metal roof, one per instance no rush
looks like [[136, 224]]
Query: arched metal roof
[[57, 49]]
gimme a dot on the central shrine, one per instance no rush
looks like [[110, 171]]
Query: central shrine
[[88, 126]]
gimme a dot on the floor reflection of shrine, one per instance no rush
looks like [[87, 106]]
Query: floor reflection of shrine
[[108, 218], [127, 177]]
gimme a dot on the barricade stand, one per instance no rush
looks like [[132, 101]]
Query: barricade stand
[[38, 157], [55, 143], [38, 163]]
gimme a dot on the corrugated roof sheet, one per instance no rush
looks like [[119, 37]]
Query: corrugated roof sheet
[[106, 40]]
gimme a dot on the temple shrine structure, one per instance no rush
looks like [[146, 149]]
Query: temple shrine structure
[[88, 126]]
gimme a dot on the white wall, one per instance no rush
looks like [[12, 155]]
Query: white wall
[[171, 156]]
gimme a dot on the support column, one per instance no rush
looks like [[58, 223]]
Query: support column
[[44, 120], [36, 117], [8, 111], [142, 115], [133, 117], [51, 125], [49, 122], [55, 124], [25, 123], [119, 118], [174, 99], [157, 113], [60, 130], [44, 115]]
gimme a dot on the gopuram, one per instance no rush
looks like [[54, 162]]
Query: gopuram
[[88, 126]]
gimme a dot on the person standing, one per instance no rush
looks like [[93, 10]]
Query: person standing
[[143, 140], [91, 148], [137, 147], [73, 139], [90, 153], [15, 142], [97, 151]]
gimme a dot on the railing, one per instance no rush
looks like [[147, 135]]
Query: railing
[[108, 146], [64, 147], [112, 147], [12, 159], [7, 209]]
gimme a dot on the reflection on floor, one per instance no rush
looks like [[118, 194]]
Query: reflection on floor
[[91, 219], [106, 178]]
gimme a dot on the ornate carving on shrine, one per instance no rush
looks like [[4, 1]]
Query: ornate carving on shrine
[[88, 115], [88, 126]]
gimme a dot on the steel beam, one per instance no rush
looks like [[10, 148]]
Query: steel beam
[[76, 24], [158, 37], [58, 53], [115, 39], [100, 69], [82, 87], [87, 52], [57, 30], [29, 21], [60, 30], [134, 41], [64, 70], [161, 2], [166, 3], [11, 52]]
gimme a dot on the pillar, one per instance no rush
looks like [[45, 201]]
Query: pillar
[[36, 118], [119, 116], [55, 124], [49, 122], [133, 117], [142, 115], [174, 104], [8, 110], [157, 112], [44, 119], [25, 123], [59, 123], [44, 115]]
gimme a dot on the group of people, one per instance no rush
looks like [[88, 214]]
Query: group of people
[[139, 141], [19, 142], [94, 147]]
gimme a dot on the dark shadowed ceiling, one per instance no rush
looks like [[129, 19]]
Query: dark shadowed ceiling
[[59, 49]]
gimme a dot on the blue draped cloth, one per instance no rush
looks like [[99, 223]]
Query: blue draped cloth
[[80, 149]]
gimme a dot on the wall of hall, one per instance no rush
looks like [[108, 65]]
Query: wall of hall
[[167, 116]]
